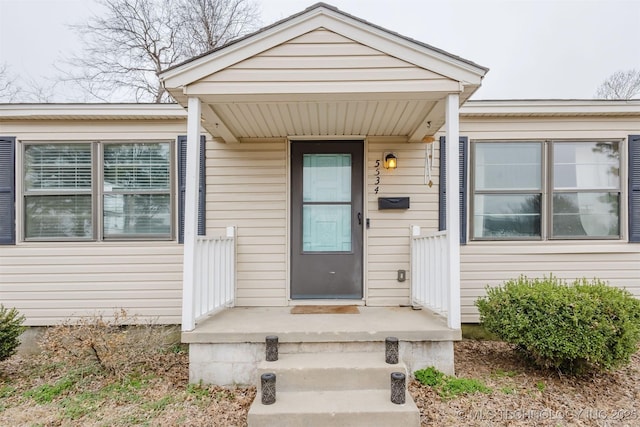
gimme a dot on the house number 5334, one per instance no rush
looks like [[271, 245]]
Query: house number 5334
[[376, 178]]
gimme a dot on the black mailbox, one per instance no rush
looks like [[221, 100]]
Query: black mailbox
[[393, 203]]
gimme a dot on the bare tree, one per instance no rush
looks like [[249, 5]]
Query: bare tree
[[9, 88], [620, 85], [39, 91], [24, 88], [133, 40], [213, 23]]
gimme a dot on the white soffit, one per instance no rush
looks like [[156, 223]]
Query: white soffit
[[324, 118]]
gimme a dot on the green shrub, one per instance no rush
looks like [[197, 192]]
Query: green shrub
[[10, 330], [570, 327]]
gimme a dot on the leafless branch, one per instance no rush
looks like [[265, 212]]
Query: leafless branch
[[9, 88], [620, 85], [133, 40]]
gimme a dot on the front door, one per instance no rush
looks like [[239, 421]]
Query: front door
[[326, 219]]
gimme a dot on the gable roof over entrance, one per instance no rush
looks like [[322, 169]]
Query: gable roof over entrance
[[323, 72]]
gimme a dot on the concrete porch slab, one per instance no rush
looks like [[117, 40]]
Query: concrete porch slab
[[252, 324]]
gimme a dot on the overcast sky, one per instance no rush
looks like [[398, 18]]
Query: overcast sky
[[534, 48]]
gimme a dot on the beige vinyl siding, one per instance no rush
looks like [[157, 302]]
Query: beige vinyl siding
[[321, 58], [491, 263], [388, 238], [52, 282], [247, 188], [485, 264]]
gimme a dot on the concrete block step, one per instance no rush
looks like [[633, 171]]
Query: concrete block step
[[331, 371], [352, 408]]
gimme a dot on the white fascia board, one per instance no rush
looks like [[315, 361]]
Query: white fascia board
[[275, 88], [550, 107], [371, 36], [17, 111], [406, 50], [310, 97]]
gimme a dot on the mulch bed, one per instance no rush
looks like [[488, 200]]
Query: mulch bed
[[525, 396]]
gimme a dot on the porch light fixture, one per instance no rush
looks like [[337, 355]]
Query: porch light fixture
[[390, 161]]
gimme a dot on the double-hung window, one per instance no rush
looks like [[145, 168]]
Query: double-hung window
[[136, 183], [95, 191], [586, 190], [58, 191], [507, 197], [545, 190]]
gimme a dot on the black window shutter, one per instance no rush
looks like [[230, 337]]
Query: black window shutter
[[442, 200], [7, 191], [442, 209], [634, 188], [464, 149], [182, 173]]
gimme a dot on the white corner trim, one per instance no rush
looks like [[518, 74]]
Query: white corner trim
[[192, 178], [452, 128]]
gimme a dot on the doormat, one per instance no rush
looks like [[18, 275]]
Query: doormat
[[325, 309]]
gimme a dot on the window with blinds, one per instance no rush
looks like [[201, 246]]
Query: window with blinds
[[69, 194], [136, 184], [57, 191]]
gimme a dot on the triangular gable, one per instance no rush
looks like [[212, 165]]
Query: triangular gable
[[323, 50], [322, 16], [321, 58]]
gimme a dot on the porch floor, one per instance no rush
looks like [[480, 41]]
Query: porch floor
[[252, 324]]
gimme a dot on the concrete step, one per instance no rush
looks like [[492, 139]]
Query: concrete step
[[352, 408], [331, 371]]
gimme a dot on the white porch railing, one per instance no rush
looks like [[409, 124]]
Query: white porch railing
[[430, 284], [213, 286]]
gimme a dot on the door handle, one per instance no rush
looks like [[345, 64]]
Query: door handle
[[359, 218]]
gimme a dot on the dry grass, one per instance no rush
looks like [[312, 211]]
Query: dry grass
[[51, 390], [39, 392], [100, 372]]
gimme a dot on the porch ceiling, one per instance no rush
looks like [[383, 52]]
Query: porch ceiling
[[409, 117]]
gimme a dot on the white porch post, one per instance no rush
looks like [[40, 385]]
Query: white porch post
[[453, 208], [191, 213]]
